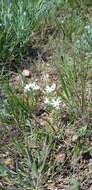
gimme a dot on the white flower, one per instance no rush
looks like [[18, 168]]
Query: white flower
[[31, 86], [45, 76], [27, 88], [55, 102], [24, 13], [50, 88], [87, 27], [34, 86]]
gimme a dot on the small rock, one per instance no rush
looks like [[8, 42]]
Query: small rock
[[60, 157], [26, 73], [74, 138]]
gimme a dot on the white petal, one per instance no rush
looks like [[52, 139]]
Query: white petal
[[46, 101], [50, 88], [55, 102], [31, 86]]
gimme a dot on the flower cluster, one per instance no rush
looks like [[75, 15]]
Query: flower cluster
[[31, 86], [49, 100]]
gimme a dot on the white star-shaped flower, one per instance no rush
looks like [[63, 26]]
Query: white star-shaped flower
[[51, 88], [31, 86], [55, 102]]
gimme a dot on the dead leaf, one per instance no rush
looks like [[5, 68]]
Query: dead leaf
[[9, 163]]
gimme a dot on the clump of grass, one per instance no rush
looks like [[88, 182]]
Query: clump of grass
[[73, 79], [73, 62], [34, 146], [34, 166], [18, 21]]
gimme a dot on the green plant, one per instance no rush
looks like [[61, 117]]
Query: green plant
[[73, 62], [71, 25], [18, 106], [73, 77], [34, 146], [74, 184], [43, 146], [34, 162], [19, 20]]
